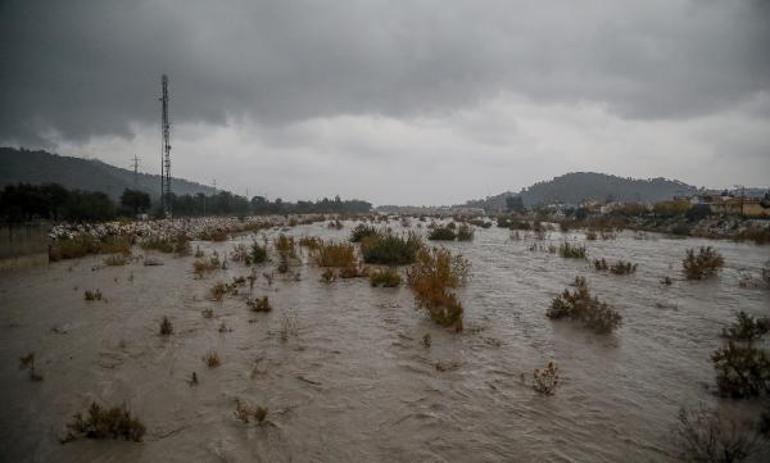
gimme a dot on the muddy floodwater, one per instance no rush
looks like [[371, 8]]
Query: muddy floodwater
[[354, 381]]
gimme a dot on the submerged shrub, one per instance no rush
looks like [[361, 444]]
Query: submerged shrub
[[742, 370], [212, 359], [362, 231], [179, 244], [116, 260], [388, 278], [257, 254], [580, 306], [244, 411], [618, 268], [330, 254], [746, 327], [310, 242], [328, 276], [570, 251], [433, 274], [703, 435], [166, 328], [27, 362], [260, 305], [465, 233], [705, 264], [203, 265], [101, 423], [390, 249], [442, 234], [92, 295], [284, 245], [546, 379]]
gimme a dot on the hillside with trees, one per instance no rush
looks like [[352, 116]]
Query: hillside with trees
[[576, 187], [41, 167]]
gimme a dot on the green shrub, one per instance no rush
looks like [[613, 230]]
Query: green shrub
[[390, 249], [746, 327], [742, 370], [705, 264], [569, 251], [580, 306], [388, 278], [257, 254], [441, 234], [362, 231]]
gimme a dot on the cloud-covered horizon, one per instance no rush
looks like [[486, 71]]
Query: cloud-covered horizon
[[396, 102]]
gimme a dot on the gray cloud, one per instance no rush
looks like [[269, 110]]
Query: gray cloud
[[84, 68]]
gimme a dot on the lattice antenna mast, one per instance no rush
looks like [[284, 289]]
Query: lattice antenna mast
[[165, 167], [135, 165]]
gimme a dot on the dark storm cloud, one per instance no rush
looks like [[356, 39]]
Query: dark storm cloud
[[85, 68]]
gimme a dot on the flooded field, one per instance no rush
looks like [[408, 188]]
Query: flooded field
[[342, 368]]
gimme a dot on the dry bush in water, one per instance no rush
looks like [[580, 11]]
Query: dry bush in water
[[94, 295], [580, 306], [330, 254], [83, 245], [390, 249], [101, 423], [116, 260], [703, 435], [328, 276], [244, 411], [166, 328], [435, 272], [546, 379], [179, 244], [591, 235], [746, 327], [203, 265], [618, 268], [260, 305], [388, 278], [705, 264], [742, 370], [212, 359], [214, 235], [284, 245], [310, 242], [570, 251]]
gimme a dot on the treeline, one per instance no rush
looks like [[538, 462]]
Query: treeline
[[25, 202], [226, 203]]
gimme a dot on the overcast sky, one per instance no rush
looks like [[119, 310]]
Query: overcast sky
[[418, 102]]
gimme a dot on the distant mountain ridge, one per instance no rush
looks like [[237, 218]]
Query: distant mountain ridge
[[36, 167], [576, 187]]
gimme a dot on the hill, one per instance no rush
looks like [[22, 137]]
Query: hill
[[575, 187], [36, 167]]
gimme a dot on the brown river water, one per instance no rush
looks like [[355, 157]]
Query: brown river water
[[355, 383]]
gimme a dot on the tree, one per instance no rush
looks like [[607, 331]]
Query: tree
[[514, 204], [135, 201]]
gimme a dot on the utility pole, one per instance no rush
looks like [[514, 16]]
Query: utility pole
[[135, 165], [165, 166]]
